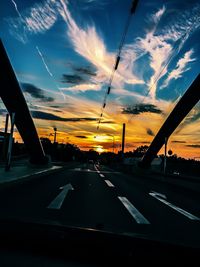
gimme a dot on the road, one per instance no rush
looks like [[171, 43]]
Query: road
[[97, 197]]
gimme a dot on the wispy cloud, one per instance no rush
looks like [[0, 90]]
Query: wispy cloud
[[88, 43], [82, 87], [161, 45], [180, 68], [157, 15], [36, 19]]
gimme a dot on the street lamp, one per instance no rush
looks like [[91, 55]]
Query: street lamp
[[55, 130]]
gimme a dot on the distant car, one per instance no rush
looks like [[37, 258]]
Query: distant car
[[176, 173]]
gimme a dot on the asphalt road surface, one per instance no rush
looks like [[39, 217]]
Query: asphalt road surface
[[97, 197]]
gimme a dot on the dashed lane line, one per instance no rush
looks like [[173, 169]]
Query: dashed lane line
[[109, 183], [140, 219]]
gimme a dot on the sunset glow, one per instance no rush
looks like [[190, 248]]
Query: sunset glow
[[63, 60]]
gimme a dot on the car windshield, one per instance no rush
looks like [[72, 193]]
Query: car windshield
[[99, 115]]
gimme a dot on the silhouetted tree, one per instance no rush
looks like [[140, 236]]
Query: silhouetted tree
[[140, 151]]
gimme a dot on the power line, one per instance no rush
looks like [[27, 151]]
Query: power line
[[118, 57]]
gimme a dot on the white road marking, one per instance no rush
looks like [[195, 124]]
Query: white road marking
[[101, 175], [109, 183], [42, 171], [95, 167], [77, 169], [133, 211], [183, 212], [58, 201], [160, 195]]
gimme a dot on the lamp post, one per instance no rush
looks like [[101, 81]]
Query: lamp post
[[55, 130], [165, 157]]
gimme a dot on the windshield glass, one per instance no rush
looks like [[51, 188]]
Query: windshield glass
[[99, 79]]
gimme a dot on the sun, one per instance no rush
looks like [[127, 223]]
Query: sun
[[100, 149]]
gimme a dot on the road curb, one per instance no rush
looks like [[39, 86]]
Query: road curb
[[29, 177]]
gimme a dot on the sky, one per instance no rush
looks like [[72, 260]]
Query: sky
[[63, 53]]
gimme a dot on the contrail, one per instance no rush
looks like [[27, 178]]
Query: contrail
[[48, 70], [16, 8], [39, 52]]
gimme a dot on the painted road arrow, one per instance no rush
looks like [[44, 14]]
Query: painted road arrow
[[58, 201]]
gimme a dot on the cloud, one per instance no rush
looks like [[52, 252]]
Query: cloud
[[37, 19], [56, 106], [190, 119], [88, 43], [182, 24], [141, 108], [51, 117], [157, 15], [92, 4], [72, 78], [85, 70], [161, 45], [180, 68], [108, 122], [82, 87], [36, 92], [179, 142], [3, 111], [81, 136], [150, 132], [82, 80], [193, 146]]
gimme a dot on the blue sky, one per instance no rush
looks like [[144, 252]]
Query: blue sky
[[63, 53]]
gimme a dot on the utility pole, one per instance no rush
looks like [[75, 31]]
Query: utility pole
[[5, 141], [123, 139], [10, 143]]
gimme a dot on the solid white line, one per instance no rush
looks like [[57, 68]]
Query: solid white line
[[101, 175], [109, 183], [183, 212], [133, 211]]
